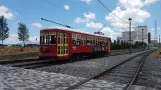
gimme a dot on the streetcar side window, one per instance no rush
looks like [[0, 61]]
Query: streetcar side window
[[98, 42], [78, 39], [74, 38], [91, 40], [45, 40], [52, 38], [88, 40], [83, 40], [94, 41]]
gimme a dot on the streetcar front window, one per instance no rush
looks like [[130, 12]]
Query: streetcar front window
[[52, 39], [43, 39], [46, 38]]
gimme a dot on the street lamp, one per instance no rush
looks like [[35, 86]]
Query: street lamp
[[130, 33]]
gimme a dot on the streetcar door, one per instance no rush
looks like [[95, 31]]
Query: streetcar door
[[62, 47]]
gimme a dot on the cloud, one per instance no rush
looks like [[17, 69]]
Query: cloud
[[87, 1], [87, 18], [90, 15], [135, 4], [37, 25], [34, 38], [79, 20], [13, 37], [66, 7], [4, 11], [125, 12], [153, 29], [94, 25], [107, 30], [150, 1]]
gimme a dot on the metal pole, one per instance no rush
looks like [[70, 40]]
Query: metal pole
[[159, 41], [142, 36], [130, 33]]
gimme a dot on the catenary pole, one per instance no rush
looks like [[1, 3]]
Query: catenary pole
[[130, 33]]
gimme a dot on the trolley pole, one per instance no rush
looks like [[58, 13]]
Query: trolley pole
[[130, 33]]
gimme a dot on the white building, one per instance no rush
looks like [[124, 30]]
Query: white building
[[142, 33], [139, 34]]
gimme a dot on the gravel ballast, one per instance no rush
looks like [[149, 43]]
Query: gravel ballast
[[150, 72], [87, 68], [124, 72]]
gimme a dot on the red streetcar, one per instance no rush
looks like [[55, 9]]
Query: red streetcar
[[63, 43]]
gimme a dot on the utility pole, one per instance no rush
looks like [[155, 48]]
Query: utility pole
[[149, 39], [130, 33], [159, 41], [142, 37]]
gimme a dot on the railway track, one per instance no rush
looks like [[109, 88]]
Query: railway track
[[127, 76], [36, 63]]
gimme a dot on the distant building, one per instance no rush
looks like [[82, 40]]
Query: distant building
[[149, 37], [140, 34], [119, 38], [154, 42]]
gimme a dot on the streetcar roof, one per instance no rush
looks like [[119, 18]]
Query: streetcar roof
[[70, 29]]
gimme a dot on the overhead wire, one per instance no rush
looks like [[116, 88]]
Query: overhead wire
[[73, 13], [111, 11], [130, 7]]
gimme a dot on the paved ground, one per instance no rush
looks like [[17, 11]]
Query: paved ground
[[22, 79]]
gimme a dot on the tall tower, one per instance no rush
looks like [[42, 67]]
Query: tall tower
[[155, 35]]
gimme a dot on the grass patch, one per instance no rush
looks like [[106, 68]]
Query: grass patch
[[12, 50], [20, 56]]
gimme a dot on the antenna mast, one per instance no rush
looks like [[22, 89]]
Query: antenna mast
[[155, 36]]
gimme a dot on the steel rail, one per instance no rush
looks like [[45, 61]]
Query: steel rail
[[128, 86], [102, 73]]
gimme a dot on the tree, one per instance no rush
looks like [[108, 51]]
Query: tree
[[114, 45], [118, 44], [4, 30], [23, 33], [122, 45]]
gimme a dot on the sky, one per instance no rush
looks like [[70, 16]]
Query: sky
[[85, 15]]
